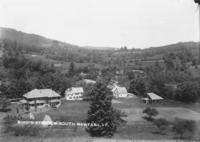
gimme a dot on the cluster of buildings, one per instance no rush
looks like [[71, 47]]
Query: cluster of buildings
[[40, 98]]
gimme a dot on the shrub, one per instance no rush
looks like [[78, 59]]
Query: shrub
[[161, 124], [181, 127], [188, 92], [151, 112], [4, 104]]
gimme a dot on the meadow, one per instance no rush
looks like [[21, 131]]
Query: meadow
[[135, 128]]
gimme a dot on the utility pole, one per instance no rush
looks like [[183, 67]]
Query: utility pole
[[198, 2]]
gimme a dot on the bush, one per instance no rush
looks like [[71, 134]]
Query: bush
[[188, 92], [151, 112], [161, 124], [181, 127], [4, 104]]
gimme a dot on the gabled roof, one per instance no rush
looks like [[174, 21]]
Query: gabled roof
[[153, 96], [121, 90], [89, 81], [75, 89], [41, 93]]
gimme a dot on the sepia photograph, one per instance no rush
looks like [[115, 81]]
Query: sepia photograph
[[99, 70]]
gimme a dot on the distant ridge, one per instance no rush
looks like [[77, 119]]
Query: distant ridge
[[29, 39], [38, 40]]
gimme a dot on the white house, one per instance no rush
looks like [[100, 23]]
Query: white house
[[74, 93], [39, 98], [119, 92]]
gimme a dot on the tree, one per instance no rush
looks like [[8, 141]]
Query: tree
[[151, 112], [71, 70], [188, 92], [169, 60], [132, 87], [4, 103], [137, 87], [181, 126], [102, 113], [56, 81], [161, 124]]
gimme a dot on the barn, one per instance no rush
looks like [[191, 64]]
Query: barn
[[152, 98]]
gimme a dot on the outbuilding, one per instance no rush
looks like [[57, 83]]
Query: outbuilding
[[152, 98]]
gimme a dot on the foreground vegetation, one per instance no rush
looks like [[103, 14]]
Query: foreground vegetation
[[134, 128]]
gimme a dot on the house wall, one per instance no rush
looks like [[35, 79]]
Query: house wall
[[73, 96], [117, 94], [41, 104]]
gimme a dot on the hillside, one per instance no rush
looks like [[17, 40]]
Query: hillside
[[31, 39], [37, 40], [158, 52], [59, 52]]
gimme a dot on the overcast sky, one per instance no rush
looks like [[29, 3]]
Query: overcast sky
[[134, 23]]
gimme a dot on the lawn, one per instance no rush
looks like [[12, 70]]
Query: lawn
[[167, 109], [136, 127], [72, 110]]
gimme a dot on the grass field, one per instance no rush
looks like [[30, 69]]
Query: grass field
[[168, 110], [73, 111], [136, 127], [78, 139]]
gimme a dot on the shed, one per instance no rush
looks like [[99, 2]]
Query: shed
[[154, 98]]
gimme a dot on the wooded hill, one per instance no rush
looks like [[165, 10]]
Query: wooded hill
[[33, 44]]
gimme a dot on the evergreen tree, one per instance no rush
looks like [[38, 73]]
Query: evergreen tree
[[101, 113], [188, 92], [71, 70], [137, 87], [4, 103], [151, 112]]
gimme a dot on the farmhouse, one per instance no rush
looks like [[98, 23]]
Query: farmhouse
[[152, 98], [74, 93], [39, 98], [119, 92]]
